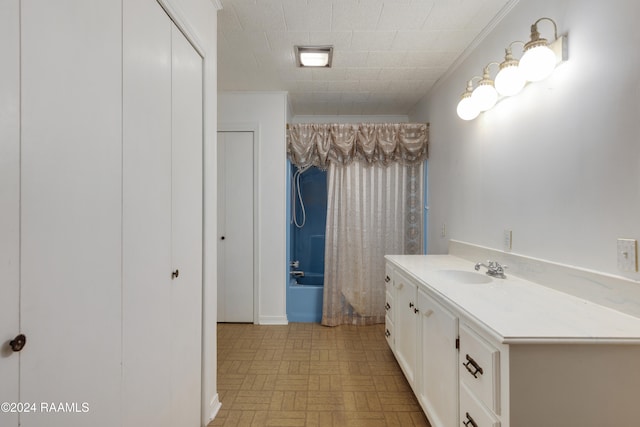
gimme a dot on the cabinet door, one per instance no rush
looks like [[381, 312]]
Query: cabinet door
[[71, 159], [186, 241], [406, 325], [438, 356], [9, 202], [147, 264]]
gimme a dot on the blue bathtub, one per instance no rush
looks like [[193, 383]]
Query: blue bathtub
[[304, 300]]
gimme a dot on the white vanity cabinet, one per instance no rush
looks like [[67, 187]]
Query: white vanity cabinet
[[389, 306], [406, 324], [437, 388], [510, 353]]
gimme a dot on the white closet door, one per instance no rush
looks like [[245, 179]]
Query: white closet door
[[71, 209], [235, 226], [9, 202], [186, 242], [147, 263]]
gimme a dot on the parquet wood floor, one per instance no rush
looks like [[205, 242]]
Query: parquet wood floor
[[305, 374]]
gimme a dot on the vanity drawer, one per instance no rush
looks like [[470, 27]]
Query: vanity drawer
[[479, 368], [473, 413]]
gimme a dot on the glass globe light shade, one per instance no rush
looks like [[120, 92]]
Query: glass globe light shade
[[485, 96], [467, 109], [538, 61], [509, 80]]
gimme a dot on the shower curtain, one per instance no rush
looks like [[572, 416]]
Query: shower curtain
[[371, 211], [375, 199]]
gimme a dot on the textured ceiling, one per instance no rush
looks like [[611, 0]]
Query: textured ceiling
[[387, 53]]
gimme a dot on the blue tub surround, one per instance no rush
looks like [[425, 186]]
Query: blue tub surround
[[307, 244]]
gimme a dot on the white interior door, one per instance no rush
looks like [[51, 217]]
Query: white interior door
[[186, 240], [71, 206], [235, 227], [147, 264], [9, 203]]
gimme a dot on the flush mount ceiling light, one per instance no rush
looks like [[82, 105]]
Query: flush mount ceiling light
[[538, 61], [313, 56]]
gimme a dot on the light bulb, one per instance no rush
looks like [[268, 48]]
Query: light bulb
[[467, 109], [538, 61], [485, 96], [314, 59], [509, 81]]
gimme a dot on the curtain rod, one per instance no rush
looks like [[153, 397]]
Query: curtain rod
[[369, 123]]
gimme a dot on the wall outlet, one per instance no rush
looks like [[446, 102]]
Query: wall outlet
[[627, 255], [507, 240]]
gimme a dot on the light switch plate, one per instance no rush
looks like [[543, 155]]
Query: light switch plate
[[627, 255], [507, 240]]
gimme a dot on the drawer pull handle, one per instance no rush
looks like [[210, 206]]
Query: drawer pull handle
[[387, 333], [387, 279], [475, 369], [387, 307], [470, 421]]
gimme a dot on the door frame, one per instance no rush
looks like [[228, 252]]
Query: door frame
[[255, 129]]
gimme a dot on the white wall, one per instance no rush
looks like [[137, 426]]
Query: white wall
[[559, 164], [268, 112]]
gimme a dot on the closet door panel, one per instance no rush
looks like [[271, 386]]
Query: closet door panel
[[71, 209], [186, 289], [9, 202], [146, 214]]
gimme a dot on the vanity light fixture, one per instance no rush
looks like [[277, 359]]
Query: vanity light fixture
[[485, 95], [510, 80], [467, 109], [538, 61], [313, 56]]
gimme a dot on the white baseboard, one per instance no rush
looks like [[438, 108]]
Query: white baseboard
[[214, 407], [273, 320]]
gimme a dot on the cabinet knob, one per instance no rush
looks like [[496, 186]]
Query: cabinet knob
[[427, 313], [18, 343]]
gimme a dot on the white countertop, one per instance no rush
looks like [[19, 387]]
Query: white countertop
[[515, 310]]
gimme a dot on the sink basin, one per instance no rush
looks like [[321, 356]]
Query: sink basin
[[463, 276]]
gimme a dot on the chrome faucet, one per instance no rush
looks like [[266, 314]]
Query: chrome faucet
[[493, 269]]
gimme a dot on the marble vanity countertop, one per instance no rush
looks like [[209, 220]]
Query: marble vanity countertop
[[515, 310]]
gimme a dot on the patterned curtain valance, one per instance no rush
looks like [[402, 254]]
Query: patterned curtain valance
[[311, 144]]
